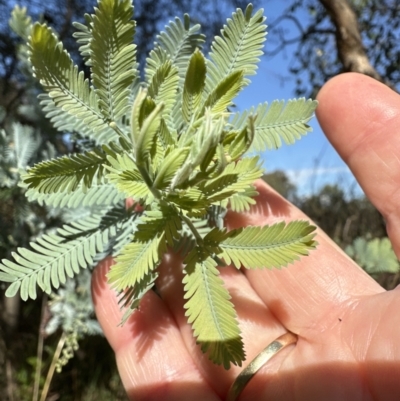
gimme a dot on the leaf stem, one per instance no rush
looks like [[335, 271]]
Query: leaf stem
[[193, 229], [148, 181], [118, 130], [52, 368]]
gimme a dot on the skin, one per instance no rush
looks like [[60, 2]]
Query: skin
[[348, 326]]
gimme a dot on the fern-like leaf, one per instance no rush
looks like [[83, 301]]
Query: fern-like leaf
[[374, 256], [163, 221], [66, 173], [97, 194], [164, 85], [177, 42], [54, 259], [25, 144], [113, 56], [222, 95], [242, 201], [20, 22], [210, 311], [70, 92], [131, 298], [135, 261], [269, 246], [194, 85], [238, 48], [279, 120], [169, 166], [83, 37], [125, 176], [235, 178]]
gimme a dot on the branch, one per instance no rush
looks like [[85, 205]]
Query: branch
[[351, 51]]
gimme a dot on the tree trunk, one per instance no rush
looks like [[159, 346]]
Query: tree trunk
[[351, 51]]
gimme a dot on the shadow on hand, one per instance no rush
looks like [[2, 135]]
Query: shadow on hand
[[328, 381], [147, 325], [269, 205]]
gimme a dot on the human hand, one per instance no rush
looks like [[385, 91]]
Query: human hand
[[348, 327]]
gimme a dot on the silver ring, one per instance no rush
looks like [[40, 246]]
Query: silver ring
[[260, 360]]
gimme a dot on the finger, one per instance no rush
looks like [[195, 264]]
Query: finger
[[361, 118], [152, 359], [313, 290], [258, 326]]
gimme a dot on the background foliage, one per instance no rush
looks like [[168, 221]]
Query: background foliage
[[317, 56]]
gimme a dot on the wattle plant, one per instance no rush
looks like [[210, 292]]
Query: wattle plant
[[173, 146]]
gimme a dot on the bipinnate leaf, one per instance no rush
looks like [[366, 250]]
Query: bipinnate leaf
[[238, 48], [55, 70], [278, 121], [53, 259], [113, 55], [269, 246], [210, 312], [66, 173]]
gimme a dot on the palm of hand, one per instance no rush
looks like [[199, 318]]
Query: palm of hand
[[346, 323]]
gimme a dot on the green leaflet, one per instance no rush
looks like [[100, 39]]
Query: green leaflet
[[113, 56], [164, 221], [242, 201], [243, 140], [374, 256], [135, 261], [238, 48], [20, 22], [66, 173], [163, 86], [220, 98], [54, 259], [194, 85], [126, 177], [131, 298], [97, 194], [269, 246], [83, 37], [210, 311], [170, 165], [63, 121], [177, 42], [67, 87], [235, 178], [145, 124], [279, 120]]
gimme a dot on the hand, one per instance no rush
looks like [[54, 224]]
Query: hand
[[348, 326]]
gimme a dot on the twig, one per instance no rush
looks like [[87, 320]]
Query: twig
[[52, 368]]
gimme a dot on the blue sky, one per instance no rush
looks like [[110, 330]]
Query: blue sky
[[311, 162]]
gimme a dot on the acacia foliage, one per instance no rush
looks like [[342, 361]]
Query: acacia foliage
[[171, 144]]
